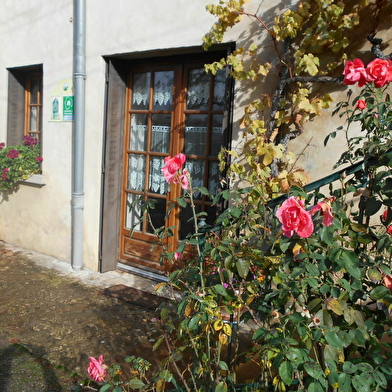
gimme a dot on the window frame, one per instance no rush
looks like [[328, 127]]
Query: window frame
[[29, 77], [18, 100]]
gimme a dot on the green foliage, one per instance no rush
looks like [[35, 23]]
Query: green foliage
[[19, 162]]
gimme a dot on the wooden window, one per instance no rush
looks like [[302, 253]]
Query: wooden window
[[24, 117], [33, 106]]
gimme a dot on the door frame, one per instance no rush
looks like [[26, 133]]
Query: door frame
[[113, 135]]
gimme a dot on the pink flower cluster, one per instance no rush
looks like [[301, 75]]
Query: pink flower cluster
[[377, 71], [172, 171], [295, 219], [13, 153], [30, 141], [97, 370], [4, 175]]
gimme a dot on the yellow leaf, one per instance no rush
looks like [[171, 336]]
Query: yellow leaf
[[227, 329], [223, 338], [335, 305], [218, 324], [160, 386]]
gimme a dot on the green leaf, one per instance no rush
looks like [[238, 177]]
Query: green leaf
[[349, 367], [219, 289], [286, 372], [332, 353], [223, 365], [315, 387], [380, 379], [314, 370], [344, 381], [194, 323], [105, 388], [243, 267], [135, 383], [372, 206], [351, 263], [379, 292], [182, 202], [294, 354], [333, 339], [361, 384], [221, 387], [204, 191]]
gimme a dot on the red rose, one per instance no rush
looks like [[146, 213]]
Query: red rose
[[361, 104], [295, 218], [354, 71], [379, 71], [172, 167]]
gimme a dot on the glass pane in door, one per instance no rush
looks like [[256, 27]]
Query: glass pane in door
[[163, 90], [196, 134]]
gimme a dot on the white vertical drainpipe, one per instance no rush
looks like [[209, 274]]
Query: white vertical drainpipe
[[79, 64]]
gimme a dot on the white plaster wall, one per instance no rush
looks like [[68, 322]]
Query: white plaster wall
[[35, 33]]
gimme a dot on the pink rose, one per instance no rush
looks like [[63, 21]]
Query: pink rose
[[354, 72], [39, 159], [97, 369], [361, 104], [325, 209], [295, 218], [388, 282], [2, 145], [173, 166], [380, 72], [184, 179]]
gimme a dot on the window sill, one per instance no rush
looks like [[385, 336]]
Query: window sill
[[35, 179]]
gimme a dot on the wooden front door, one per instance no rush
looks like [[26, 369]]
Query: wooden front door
[[169, 109]]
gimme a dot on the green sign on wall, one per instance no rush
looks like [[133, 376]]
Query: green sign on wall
[[68, 108]]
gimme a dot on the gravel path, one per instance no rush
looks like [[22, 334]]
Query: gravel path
[[60, 320]]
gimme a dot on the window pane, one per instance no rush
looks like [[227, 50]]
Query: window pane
[[213, 178], [33, 119], [196, 170], [216, 135], [141, 90], [157, 182], [187, 225], [195, 134], [198, 89], [219, 90], [136, 170], [157, 215], [34, 89], [163, 90], [138, 137], [160, 138], [133, 213]]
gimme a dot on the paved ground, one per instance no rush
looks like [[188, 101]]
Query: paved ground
[[61, 317]]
